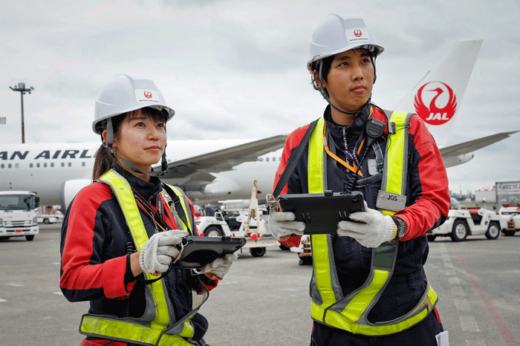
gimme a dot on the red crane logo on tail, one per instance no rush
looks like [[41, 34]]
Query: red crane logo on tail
[[432, 114], [358, 33], [148, 94]]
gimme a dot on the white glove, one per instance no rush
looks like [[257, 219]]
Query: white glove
[[376, 230], [220, 266], [282, 224], [158, 252]]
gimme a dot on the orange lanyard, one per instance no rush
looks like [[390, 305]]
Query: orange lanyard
[[352, 168]]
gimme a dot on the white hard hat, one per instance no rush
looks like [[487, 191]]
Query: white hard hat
[[125, 94], [339, 33]]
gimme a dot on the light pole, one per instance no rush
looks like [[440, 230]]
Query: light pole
[[22, 90]]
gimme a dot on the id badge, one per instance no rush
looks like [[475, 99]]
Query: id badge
[[443, 339], [372, 167], [390, 201]]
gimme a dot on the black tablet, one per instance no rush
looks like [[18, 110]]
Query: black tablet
[[199, 251], [321, 212]]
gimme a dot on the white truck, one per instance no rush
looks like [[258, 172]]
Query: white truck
[[463, 222], [257, 237], [18, 214]]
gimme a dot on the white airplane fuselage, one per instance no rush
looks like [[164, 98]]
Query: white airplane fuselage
[[43, 168]]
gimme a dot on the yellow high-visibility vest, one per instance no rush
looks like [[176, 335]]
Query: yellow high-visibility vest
[[158, 325], [350, 312]]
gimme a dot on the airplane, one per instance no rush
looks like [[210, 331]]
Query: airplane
[[213, 170]]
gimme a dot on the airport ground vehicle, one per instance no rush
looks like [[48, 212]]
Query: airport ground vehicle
[[257, 238], [304, 251], [18, 214], [461, 223], [47, 219], [509, 219]]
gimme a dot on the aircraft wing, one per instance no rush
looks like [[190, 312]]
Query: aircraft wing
[[196, 170], [470, 146]]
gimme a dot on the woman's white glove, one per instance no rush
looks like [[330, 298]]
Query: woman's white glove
[[220, 266], [158, 252], [282, 224], [376, 230]]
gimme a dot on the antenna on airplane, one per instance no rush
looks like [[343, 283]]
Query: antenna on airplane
[[22, 90]]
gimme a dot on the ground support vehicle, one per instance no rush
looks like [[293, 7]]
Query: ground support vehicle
[[461, 223], [18, 214], [48, 219], [304, 251], [257, 237], [509, 219]]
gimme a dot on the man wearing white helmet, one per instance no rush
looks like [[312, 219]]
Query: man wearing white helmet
[[119, 235], [368, 285]]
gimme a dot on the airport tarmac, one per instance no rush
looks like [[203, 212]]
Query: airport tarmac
[[264, 301]]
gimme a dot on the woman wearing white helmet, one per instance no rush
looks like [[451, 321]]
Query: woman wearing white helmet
[[119, 235], [368, 285]]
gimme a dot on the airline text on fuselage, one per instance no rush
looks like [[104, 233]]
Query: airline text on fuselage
[[47, 155]]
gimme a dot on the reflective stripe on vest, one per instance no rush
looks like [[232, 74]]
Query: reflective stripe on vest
[[184, 203], [328, 305], [133, 329]]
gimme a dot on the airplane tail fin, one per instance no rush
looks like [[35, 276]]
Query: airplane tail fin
[[438, 96]]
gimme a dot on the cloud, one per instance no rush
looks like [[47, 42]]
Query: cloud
[[236, 69]]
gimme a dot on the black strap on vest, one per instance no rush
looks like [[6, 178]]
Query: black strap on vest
[[178, 205], [293, 160]]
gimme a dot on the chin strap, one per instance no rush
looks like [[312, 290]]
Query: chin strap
[[109, 146], [323, 92]]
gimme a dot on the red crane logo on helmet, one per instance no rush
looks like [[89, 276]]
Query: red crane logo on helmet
[[148, 94], [432, 114], [358, 33]]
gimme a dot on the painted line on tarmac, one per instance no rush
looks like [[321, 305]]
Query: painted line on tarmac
[[14, 285], [475, 343], [469, 324], [485, 299], [2, 300], [58, 293], [467, 321], [462, 305]]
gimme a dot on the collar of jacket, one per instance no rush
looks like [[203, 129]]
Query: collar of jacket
[[353, 131], [147, 190]]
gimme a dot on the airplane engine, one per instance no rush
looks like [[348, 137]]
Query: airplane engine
[[457, 160], [69, 189]]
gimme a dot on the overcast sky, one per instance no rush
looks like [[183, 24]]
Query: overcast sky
[[236, 69]]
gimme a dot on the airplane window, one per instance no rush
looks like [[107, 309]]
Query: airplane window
[[38, 165], [267, 159], [30, 165], [52, 164], [280, 158], [2, 165], [63, 164], [16, 165], [45, 164], [9, 165], [274, 159], [260, 159], [70, 164], [83, 164]]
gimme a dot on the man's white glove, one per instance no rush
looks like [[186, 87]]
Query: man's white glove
[[282, 224], [158, 252], [376, 230], [220, 266]]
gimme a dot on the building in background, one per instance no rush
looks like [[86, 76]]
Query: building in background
[[508, 192]]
